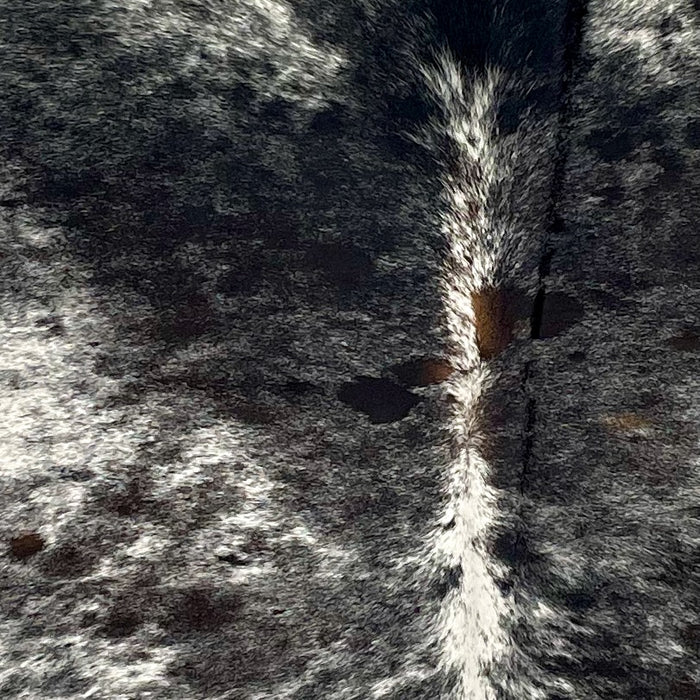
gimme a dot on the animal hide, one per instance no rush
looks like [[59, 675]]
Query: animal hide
[[349, 349]]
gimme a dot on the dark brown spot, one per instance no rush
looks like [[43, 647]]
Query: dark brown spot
[[688, 341], [26, 545], [249, 412], [626, 421], [127, 499], [560, 312], [380, 399], [495, 312], [422, 372], [121, 622], [67, 560], [200, 609]]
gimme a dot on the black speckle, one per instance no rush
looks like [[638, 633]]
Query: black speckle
[[277, 229], [125, 67], [380, 399], [577, 356], [367, 504], [10, 378], [558, 227], [670, 160], [127, 499], [606, 300], [250, 412], [685, 689], [670, 24], [691, 637], [52, 324], [235, 559], [504, 586], [448, 581], [240, 96]]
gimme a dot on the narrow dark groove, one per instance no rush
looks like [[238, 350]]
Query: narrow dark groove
[[538, 304], [573, 37], [530, 420]]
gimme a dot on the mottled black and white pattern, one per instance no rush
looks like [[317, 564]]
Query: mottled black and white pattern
[[350, 349]]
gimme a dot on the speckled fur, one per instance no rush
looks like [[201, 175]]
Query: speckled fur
[[349, 350]]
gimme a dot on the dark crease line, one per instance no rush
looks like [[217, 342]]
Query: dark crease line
[[573, 37]]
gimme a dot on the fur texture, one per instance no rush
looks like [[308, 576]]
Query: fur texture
[[350, 349]]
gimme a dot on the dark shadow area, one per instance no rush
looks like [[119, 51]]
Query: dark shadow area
[[380, 399]]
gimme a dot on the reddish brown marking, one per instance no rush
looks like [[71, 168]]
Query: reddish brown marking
[[626, 421], [495, 311], [24, 546], [423, 372]]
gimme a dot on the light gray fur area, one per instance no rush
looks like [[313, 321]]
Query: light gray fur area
[[350, 350]]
